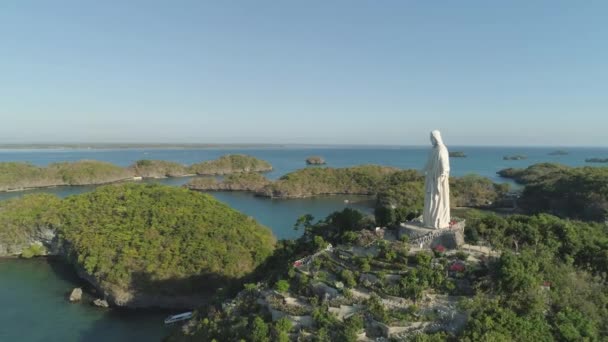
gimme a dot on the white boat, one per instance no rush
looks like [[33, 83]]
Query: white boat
[[179, 317]]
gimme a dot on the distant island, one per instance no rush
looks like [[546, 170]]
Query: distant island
[[457, 154], [16, 176], [105, 146], [315, 160], [515, 157], [559, 153], [596, 160]]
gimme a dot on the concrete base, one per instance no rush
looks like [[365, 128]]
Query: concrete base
[[423, 237]]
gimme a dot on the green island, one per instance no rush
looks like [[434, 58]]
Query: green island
[[17, 176], [515, 157], [559, 153], [392, 186], [315, 160], [248, 181], [140, 245], [233, 163], [457, 154], [569, 192], [147, 168], [596, 160]]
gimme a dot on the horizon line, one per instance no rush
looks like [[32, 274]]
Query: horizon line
[[192, 145]]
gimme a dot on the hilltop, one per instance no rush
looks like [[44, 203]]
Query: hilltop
[[373, 283]]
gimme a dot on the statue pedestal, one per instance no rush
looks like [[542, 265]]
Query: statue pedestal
[[422, 237]]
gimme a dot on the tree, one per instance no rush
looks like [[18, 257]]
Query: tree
[[259, 330], [385, 216], [348, 278], [281, 330]]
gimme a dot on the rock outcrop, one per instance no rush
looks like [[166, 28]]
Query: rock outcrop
[[76, 295], [315, 160], [102, 303]]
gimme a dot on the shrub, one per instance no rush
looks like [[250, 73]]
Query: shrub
[[282, 286]]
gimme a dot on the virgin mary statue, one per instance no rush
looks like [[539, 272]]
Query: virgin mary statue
[[436, 186]]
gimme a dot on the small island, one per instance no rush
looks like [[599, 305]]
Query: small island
[[315, 160], [457, 154], [596, 160], [559, 153], [515, 157], [139, 245], [229, 164]]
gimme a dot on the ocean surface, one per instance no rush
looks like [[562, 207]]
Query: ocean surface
[[33, 304]]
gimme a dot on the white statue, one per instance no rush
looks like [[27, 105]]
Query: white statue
[[437, 186]]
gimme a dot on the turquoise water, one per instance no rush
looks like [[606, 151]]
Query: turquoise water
[[34, 308], [33, 305]]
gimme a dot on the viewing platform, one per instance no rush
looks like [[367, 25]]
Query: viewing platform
[[422, 237]]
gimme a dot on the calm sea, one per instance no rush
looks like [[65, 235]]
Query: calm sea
[[32, 293]]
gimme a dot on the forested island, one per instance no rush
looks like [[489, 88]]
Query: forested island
[[596, 160], [392, 186], [515, 157], [140, 245], [15, 176], [571, 192]]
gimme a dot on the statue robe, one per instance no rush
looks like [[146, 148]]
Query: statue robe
[[436, 212]]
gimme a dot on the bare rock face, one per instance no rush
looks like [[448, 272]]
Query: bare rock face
[[102, 303], [76, 295]]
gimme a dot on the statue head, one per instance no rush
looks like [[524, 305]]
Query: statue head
[[436, 138]]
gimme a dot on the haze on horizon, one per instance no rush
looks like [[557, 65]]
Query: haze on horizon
[[314, 72]]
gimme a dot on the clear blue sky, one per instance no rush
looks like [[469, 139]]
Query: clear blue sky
[[317, 71]]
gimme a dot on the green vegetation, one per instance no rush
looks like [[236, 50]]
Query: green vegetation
[[358, 180], [159, 239], [549, 283], [552, 273], [158, 169], [228, 164], [249, 181], [457, 154], [475, 191], [534, 173], [33, 251], [579, 193], [18, 176], [25, 219]]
